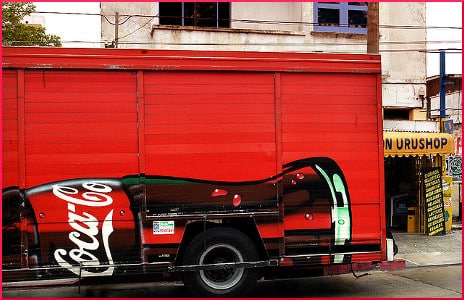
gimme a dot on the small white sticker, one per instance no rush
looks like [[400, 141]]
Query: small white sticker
[[163, 227]]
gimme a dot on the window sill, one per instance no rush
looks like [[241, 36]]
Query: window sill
[[359, 36], [220, 29]]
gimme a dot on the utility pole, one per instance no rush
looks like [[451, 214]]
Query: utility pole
[[373, 35], [116, 29], [442, 89]]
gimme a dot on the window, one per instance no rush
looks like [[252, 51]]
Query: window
[[202, 14], [395, 114], [344, 17]]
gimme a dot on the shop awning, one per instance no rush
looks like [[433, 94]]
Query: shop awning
[[417, 143]]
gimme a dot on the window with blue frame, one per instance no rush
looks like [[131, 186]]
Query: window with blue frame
[[342, 17]]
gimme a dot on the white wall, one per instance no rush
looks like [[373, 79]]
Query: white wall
[[404, 73]]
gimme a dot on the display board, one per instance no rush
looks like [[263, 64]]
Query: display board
[[433, 196]]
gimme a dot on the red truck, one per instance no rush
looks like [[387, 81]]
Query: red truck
[[217, 168]]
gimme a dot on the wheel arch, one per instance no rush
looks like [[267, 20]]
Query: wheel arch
[[245, 225]]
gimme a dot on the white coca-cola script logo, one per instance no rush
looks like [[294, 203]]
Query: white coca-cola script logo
[[86, 228]]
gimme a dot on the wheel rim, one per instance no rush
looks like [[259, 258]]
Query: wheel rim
[[221, 279]]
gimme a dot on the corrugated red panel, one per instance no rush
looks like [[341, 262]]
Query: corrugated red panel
[[10, 158], [142, 59], [80, 124], [87, 120], [329, 113], [336, 115], [366, 224], [217, 126]]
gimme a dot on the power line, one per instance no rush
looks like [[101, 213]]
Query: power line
[[114, 23], [251, 21], [127, 17], [135, 30], [310, 47]]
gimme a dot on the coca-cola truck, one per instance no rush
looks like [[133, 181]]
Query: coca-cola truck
[[217, 168]]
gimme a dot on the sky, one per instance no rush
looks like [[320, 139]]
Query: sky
[[82, 28], [444, 14], [70, 27]]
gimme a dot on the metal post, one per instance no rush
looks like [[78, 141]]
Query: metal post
[[116, 29], [460, 201], [442, 89], [217, 14], [183, 14]]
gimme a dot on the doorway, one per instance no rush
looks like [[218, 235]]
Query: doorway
[[403, 190]]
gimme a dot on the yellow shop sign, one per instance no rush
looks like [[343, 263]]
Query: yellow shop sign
[[417, 143]]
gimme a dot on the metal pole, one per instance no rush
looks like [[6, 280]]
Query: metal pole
[[460, 201], [116, 29], [442, 89], [217, 14]]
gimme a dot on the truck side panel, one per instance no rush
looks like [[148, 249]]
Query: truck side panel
[[10, 129], [336, 115], [79, 124], [210, 125]]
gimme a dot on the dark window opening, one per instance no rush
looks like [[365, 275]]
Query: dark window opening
[[357, 18], [328, 17], [201, 14], [170, 13], [396, 114]]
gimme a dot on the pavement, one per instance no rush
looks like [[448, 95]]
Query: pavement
[[418, 249]]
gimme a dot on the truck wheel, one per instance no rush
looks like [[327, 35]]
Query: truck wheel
[[220, 245]]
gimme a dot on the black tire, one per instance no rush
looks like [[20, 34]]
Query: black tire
[[395, 246], [219, 245]]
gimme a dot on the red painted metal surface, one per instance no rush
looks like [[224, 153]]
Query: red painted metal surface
[[337, 114], [214, 116], [163, 60], [217, 126], [10, 132], [79, 124]]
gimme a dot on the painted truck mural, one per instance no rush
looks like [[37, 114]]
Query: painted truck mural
[[218, 168]]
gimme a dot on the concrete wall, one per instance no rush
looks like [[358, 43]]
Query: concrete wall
[[133, 32], [276, 15], [404, 72], [270, 26], [453, 106]]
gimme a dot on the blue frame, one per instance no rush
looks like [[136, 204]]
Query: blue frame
[[343, 8]]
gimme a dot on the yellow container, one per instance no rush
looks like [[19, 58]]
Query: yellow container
[[413, 220], [448, 218]]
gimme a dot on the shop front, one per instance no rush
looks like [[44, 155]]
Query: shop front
[[414, 163]]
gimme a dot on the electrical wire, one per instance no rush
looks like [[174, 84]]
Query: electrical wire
[[114, 24], [251, 21], [309, 47], [119, 38], [273, 22]]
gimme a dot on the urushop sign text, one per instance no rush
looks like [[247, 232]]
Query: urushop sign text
[[415, 143]]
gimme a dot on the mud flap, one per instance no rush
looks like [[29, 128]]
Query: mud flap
[[390, 250]]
